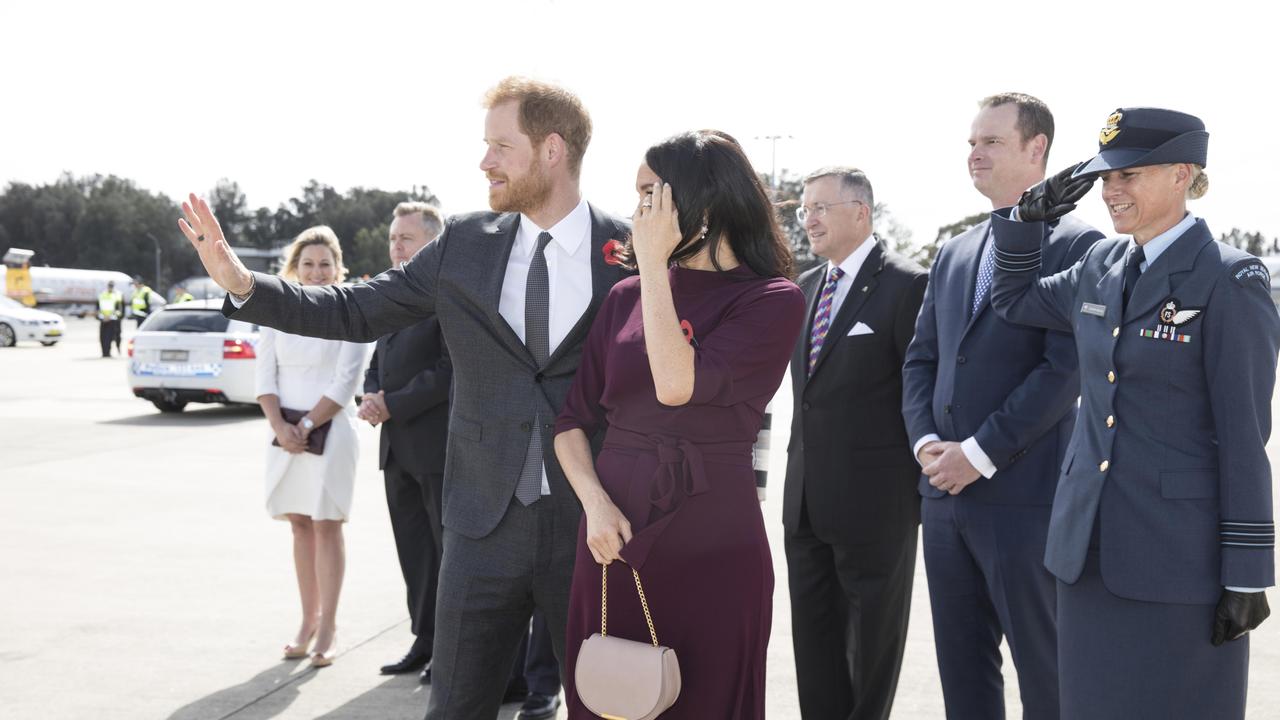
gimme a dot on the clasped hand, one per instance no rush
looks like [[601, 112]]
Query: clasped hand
[[947, 466], [373, 408]]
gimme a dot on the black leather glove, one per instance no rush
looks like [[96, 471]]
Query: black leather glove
[[1237, 614], [1054, 197]]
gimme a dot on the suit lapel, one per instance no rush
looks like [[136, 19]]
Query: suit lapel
[[603, 276], [863, 285], [498, 239], [1153, 285], [973, 261]]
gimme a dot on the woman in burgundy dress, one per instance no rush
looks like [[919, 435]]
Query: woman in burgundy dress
[[676, 372]]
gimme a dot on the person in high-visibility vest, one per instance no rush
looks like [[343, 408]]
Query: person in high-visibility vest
[[142, 296], [180, 294], [110, 309]]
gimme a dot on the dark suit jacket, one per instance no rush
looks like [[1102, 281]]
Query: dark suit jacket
[[1170, 445], [849, 461], [412, 368], [1013, 388], [498, 389]]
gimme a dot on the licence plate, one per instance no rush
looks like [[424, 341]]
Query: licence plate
[[52, 333], [173, 356]]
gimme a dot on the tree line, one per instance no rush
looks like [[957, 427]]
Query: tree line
[[110, 223]]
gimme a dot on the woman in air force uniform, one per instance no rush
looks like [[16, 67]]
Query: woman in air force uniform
[[1161, 535]]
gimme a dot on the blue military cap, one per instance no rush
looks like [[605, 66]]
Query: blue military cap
[[1134, 137]]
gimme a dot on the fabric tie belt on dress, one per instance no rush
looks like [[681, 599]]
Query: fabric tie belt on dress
[[680, 473]]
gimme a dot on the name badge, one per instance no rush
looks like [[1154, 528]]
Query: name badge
[[1094, 309]]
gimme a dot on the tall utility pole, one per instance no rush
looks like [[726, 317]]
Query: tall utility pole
[[773, 155], [156, 280]]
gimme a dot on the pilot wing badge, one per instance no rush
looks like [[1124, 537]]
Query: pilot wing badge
[[1171, 316]]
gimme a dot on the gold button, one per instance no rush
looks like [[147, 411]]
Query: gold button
[[1105, 464], [1111, 421], [1115, 332], [1111, 377]]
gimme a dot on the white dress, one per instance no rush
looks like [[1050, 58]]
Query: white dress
[[299, 370]]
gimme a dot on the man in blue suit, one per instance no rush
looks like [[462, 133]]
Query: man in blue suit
[[989, 407]]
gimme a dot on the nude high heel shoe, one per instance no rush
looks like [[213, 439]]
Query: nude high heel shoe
[[297, 652]]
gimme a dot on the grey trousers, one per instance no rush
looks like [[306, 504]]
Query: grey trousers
[[489, 588]]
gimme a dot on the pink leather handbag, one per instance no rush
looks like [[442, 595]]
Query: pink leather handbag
[[621, 679]]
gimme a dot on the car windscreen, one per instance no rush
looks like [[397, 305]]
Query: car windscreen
[[186, 321]]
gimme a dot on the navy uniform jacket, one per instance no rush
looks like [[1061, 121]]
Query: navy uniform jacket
[[1175, 412], [1012, 388], [412, 368]]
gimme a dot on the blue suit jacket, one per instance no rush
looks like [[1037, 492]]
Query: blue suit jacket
[[1013, 388], [1169, 449]]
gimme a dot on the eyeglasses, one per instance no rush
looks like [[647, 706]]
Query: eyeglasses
[[819, 210]]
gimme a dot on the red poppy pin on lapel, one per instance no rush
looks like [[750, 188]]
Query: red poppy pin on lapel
[[612, 251], [687, 328]]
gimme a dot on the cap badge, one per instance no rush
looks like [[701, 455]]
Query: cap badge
[[1111, 129]]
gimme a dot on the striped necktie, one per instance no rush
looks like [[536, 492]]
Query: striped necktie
[[822, 317]]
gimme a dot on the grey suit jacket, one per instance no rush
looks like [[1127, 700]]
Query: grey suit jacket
[[498, 389]]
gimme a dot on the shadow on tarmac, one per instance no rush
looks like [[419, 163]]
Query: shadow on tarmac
[[273, 690], [202, 416]]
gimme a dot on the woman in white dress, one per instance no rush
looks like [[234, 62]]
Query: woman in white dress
[[311, 491]]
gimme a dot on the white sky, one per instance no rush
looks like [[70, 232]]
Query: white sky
[[386, 94]]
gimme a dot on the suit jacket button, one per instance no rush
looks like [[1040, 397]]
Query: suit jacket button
[[1111, 421], [537, 378], [1104, 465], [804, 406], [1111, 376], [1115, 332], [526, 427], [960, 359], [946, 409]]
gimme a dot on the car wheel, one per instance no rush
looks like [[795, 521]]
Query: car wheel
[[166, 406], [7, 338], [48, 343]]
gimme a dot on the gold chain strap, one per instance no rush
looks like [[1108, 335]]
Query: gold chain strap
[[604, 604]]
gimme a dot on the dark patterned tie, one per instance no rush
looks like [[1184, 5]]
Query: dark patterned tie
[[986, 271], [1132, 272], [537, 337], [822, 316]]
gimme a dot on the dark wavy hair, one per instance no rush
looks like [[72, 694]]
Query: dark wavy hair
[[711, 178]]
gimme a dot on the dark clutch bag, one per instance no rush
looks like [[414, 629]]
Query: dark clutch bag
[[317, 436]]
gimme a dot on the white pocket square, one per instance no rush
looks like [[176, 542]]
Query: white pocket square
[[860, 328]]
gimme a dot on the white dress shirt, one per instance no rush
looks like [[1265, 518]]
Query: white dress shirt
[[568, 272], [850, 265]]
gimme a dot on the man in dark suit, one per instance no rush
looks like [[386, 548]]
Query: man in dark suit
[[515, 292], [990, 406], [849, 506], [406, 390]]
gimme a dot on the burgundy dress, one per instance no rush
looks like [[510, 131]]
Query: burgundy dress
[[683, 477]]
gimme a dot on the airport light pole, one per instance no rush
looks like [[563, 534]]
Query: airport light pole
[[773, 155], [156, 242]]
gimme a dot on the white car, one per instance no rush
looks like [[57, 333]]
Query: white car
[[189, 352], [19, 322]]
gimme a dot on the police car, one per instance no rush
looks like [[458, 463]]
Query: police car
[[189, 352], [19, 322]]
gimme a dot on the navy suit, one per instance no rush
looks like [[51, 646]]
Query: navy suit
[[1165, 496], [970, 373]]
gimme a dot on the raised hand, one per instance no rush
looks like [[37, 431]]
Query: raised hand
[[220, 261], [655, 228], [1054, 197]]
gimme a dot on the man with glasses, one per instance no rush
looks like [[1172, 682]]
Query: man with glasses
[[990, 407], [850, 509]]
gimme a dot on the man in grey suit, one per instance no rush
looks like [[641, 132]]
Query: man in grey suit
[[515, 292]]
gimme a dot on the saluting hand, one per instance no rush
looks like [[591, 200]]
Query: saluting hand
[[205, 234], [1054, 197], [655, 227]]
